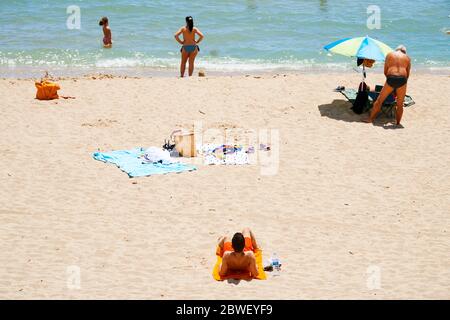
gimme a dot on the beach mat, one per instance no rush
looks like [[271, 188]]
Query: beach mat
[[351, 94], [130, 162], [237, 156], [242, 275]]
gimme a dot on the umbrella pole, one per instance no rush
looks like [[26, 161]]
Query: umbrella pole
[[364, 72]]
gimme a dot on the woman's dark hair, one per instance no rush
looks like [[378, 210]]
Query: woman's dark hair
[[190, 23], [238, 242], [103, 21]]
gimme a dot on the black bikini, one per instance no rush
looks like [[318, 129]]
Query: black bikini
[[396, 81]]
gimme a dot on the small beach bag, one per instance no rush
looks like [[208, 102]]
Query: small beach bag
[[47, 90], [362, 98]]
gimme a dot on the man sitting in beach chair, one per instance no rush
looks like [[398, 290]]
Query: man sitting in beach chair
[[238, 253]]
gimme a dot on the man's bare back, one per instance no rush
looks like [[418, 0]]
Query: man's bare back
[[238, 256], [397, 64], [238, 262]]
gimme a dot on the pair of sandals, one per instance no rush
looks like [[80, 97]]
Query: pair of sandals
[[168, 146]]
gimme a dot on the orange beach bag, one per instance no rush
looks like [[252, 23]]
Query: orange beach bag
[[47, 90]]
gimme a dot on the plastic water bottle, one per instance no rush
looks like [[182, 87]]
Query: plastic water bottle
[[275, 264]]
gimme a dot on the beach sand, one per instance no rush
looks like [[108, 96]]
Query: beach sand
[[354, 210]]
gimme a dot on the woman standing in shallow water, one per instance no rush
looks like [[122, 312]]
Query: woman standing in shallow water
[[190, 46]]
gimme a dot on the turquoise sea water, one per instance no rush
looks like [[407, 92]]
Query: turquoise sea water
[[240, 35]]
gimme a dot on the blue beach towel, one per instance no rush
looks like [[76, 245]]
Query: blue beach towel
[[129, 161]]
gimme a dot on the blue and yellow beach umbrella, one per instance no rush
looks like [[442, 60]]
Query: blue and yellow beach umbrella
[[361, 47]]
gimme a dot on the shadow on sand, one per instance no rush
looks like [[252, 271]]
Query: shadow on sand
[[391, 125], [237, 281], [340, 110]]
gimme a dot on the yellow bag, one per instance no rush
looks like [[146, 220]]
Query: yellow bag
[[47, 90]]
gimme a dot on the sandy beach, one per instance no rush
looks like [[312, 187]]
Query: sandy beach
[[348, 200]]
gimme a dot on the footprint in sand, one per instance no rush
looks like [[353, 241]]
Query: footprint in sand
[[100, 123]]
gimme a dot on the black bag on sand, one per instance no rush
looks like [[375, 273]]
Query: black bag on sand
[[361, 100]]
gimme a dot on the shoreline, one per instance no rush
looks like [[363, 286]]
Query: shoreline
[[151, 72]]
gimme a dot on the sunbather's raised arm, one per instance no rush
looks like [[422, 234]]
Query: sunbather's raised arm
[[222, 241], [249, 234]]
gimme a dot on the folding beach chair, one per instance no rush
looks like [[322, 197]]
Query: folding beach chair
[[388, 107]]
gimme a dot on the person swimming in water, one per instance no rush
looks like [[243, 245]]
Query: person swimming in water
[[107, 36], [396, 69], [190, 48]]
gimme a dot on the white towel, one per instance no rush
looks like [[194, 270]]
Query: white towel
[[154, 154]]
